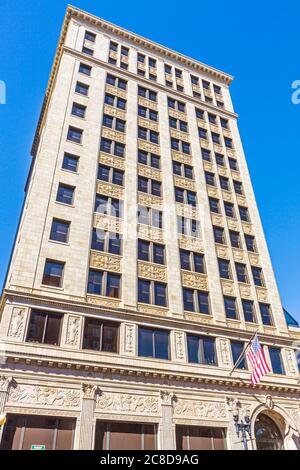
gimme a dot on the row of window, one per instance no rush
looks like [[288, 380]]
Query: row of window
[[99, 335], [241, 272], [229, 208]]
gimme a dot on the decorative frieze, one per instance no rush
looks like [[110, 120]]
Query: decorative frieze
[[196, 409], [233, 224], [227, 196], [148, 147], [262, 294], [254, 259], [218, 148], [112, 160], [182, 157], [222, 171], [147, 103], [148, 124], [115, 112], [222, 251], [228, 288], [150, 233], [129, 338], [177, 114], [184, 183], [245, 291], [194, 280], [247, 228], [179, 343], [208, 166], [212, 191], [186, 210], [238, 255], [103, 301], [179, 135], [217, 220], [150, 201], [204, 144], [110, 190], [106, 261], [124, 403], [17, 323], [106, 222], [113, 135], [149, 172], [115, 91], [153, 309], [241, 200], [191, 243], [44, 396], [152, 271]]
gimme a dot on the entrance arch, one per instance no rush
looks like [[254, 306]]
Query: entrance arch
[[267, 434]]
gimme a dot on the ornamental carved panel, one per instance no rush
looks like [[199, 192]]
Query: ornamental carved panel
[[149, 172], [115, 112], [44, 396], [213, 192], [177, 114], [150, 233], [17, 323], [238, 255], [179, 338], [129, 338], [254, 259], [148, 147], [103, 301], [73, 331], [179, 135], [110, 190], [191, 243], [194, 280], [151, 201], [214, 128], [125, 403], [204, 144], [231, 153], [184, 183], [217, 220], [200, 409], [113, 135], [185, 210], [227, 196], [218, 148], [112, 160], [222, 251], [247, 229], [207, 166], [148, 124], [182, 157], [105, 222], [222, 171], [241, 200], [106, 261], [147, 103], [236, 175], [115, 91], [225, 354], [152, 271], [228, 288], [245, 291], [233, 224], [153, 310], [262, 294]]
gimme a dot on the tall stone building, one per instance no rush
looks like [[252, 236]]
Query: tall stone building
[[140, 267]]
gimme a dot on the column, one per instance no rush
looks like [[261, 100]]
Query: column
[[167, 428], [87, 417], [5, 383]]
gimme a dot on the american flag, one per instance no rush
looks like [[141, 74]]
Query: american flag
[[258, 361]]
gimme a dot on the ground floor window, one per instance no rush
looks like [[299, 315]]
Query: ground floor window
[[33, 432], [200, 438], [125, 436]]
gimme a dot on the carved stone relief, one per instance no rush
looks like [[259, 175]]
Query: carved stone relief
[[150, 201], [149, 172], [45, 396], [179, 345], [105, 261], [105, 222], [115, 112], [111, 190], [150, 233], [184, 183], [200, 409], [115, 91], [17, 323], [194, 280], [129, 340], [191, 243], [103, 301], [148, 147], [152, 271], [225, 354], [73, 331], [125, 403], [112, 160]]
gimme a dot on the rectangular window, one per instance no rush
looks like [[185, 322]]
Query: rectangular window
[[241, 272], [75, 135], [250, 243], [233, 164], [104, 283], [214, 205], [200, 438], [266, 314], [224, 183], [201, 350], [220, 159], [196, 301], [210, 178], [230, 308], [70, 162], [153, 343], [248, 309], [60, 231], [192, 261], [244, 215], [106, 241], [238, 187], [257, 276], [237, 348], [53, 273], [276, 361], [224, 268], [152, 292], [78, 110], [219, 235], [65, 194], [44, 328], [82, 89], [206, 155], [125, 436], [87, 51], [235, 239], [90, 36], [149, 251], [85, 69], [229, 210], [100, 336]]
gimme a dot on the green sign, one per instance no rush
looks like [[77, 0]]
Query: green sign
[[38, 447]]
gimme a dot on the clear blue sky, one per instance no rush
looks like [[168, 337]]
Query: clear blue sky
[[258, 43]]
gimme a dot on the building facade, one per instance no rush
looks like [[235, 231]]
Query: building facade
[[140, 268]]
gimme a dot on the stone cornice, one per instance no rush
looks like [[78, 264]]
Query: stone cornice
[[73, 12]]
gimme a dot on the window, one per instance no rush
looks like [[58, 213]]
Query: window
[[201, 350], [178, 73], [276, 361], [200, 438], [147, 158], [113, 147], [125, 436], [108, 242], [230, 308], [217, 89], [180, 145], [87, 51], [114, 123], [104, 283], [202, 133], [78, 110], [244, 214], [148, 94], [149, 251], [219, 235], [215, 138], [238, 187], [233, 164], [206, 155], [75, 135], [60, 231], [82, 89], [224, 123], [113, 46], [235, 239], [210, 178], [237, 349], [112, 61], [214, 205], [168, 69], [250, 243], [148, 134], [257, 276], [183, 170], [229, 210], [109, 206], [228, 142], [65, 194], [147, 185], [224, 268], [70, 162], [224, 183], [85, 69], [178, 124], [185, 196], [206, 85], [111, 175], [199, 113], [150, 216], [212, 118], [152, 62], [141, 58], [192, 261], [44, 328], [112, 100], [220, 159], [196, 301], [148, 113], [186, 226], [177, 105], [117, 82], [124, 51], [90, 36], [241, 272], [266, 314], [248, 309], [194, 80], [152, 292], [153, 343], [53, 273], [100, 336]]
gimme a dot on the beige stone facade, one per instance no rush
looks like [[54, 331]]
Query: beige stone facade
[[68, 381]]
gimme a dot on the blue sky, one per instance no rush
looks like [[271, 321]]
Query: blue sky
[[258, 43]]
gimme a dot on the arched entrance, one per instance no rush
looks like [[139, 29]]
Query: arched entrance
[[267, 434]]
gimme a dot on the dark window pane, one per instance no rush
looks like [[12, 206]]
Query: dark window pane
[[36, 327], [92, 334], [65, 194], [248, 309], [235, 239], [97, 240], [160, 294], [257, 276], [60, 231], [70, 162], [265, 311], [75, 135], [53, 326], [86, 69], [114, 243], [113, 285], [95, 282], [161, 343], [199, 263], [276, 361], [250, 243], [188, 300], [230, 307], [158, 254], [224, 268], [110, 338], [144, 291], [146, 343], [203, 302], [185, 260], [53, 273], [143, 250], [241, 272], [237, 349]]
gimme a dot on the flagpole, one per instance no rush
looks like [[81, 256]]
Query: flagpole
[[242, 353]]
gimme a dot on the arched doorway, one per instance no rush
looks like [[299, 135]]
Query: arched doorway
[[267, 434]]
